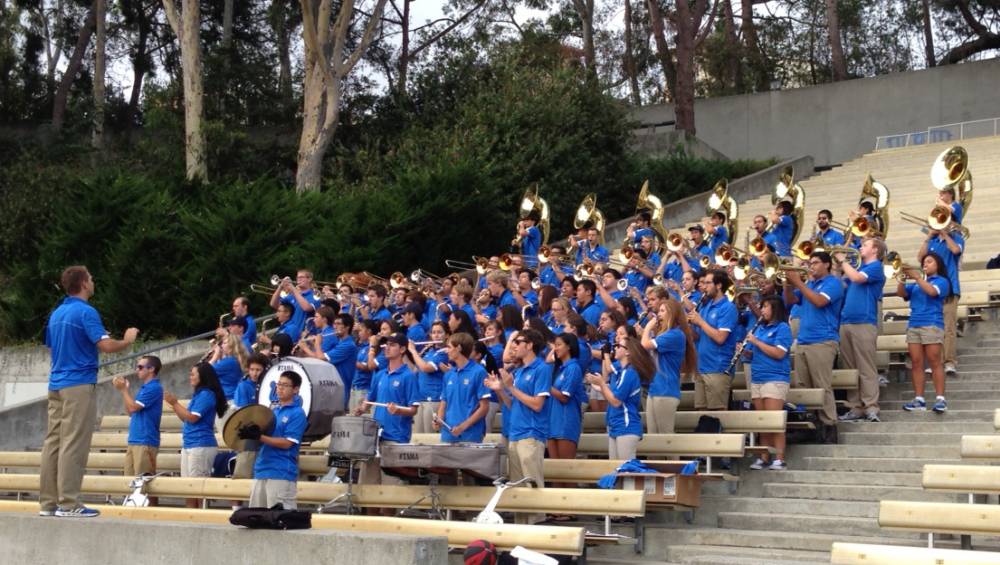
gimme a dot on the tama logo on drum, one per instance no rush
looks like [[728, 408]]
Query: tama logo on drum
[[340, 434], [409, 456]]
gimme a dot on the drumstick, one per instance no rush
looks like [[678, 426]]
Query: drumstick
[[442, 422], [382, 404]]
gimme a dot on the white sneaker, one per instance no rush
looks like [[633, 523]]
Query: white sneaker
[[777, 465], [949, 368], [758, 464], [927, 371]]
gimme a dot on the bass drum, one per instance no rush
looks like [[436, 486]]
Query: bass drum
[[322, 392]]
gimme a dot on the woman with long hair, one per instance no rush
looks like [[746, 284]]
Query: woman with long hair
[[230, 363], [925, 328], [431, 362], [198, 430], [460, 322], [622, 389], [668, 336], [568, 396], [771, 369]]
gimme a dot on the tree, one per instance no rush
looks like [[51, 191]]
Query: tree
[[978, 36], [72, 69], [585, 10], [187, 27], [328, 62], [100, 44], [628, 61], [837, 60]]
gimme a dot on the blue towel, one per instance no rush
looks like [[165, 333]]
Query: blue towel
[[635, 466]]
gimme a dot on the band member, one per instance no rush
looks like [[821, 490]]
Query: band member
[[713, 325], [461, 296], [246, 394], [276, 471], [568, 395], [144, 412], [229, 360], [586, 305], [674, 265], [299, 296], [523, 293], [367, 329], [946, 198], [525, 393], [622, 389], [375, 309], [830, 236], [531, 238], [641, 227], [865, 210], [925, 328], [768, 347], [859, 328], [550, 274], [782, 229], [589, 248], [411, 316], [819, 333], [715, 228], [431, 362], [699, 247], [464, 399], [241, 309], [237, 326], [339, 349], [643, 265], [668, 336], [199, 447], [949, 246], [496, 285]]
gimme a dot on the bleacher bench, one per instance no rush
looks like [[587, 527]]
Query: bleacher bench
[[980, 447], [869, 554]]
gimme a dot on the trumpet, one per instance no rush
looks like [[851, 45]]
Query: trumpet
[[583, 271], [939, 220], [676, 242], [726, 253], [399, 280], [894, 267], [758, 247], [545, 255]]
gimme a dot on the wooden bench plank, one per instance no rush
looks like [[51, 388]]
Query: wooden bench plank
[[810, 398], [975, 479], [742, 421], [843, 379], [980, 447], [940, 517], [652, 445], [560, 540], [996, 417], [867, 554]]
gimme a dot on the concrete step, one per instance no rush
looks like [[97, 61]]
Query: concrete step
[[714, 504], [983, 357], [892, 451], [954, 415], [817, 524], [976, 367], [797, 541], [951, 386], [872, 464], [871, 493], [950, 392], [924, 438], [719, 554], [988, 404], [872, 478], [864, 427]]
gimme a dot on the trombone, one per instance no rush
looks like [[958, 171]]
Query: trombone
[[274, 281], [480, 264], [939, 219], [677, 242], [545, 255], [726, 253], [853, 255], [774, 268]]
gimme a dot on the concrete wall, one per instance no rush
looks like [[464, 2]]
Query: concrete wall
[[658, 143], [692, 208], [837, 122], [32, 539]]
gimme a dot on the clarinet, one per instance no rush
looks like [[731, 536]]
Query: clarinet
[[741, 346]]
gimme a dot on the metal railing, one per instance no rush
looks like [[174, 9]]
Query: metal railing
[[939, 134]]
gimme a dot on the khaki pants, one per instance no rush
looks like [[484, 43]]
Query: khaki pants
[[857, 351], [265, 493], [140, 460], [423, 422], [525, 459], [711, 391], [950, 351], [793, 324], [371, 472], [814, 369], [660, 413], [72, 412], [491, 417], [357, 396], [623, 447], [244, 464]]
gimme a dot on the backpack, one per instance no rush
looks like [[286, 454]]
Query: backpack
[[273, 518]]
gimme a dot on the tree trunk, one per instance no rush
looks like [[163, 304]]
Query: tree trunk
[[75, 61], [139, 66], [758, 64], [735, 58], [279, 24], [690, 34], [100, 10], [837, 61], [663, 54], [227, 25], [188, 29], [404, 50], [928, 34], [629, 59], [585, 9]]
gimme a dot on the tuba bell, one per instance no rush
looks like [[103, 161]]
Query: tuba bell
[[721, 202], [950, 171], [651, 202], [787, 190], [532, 202], [588, 213]]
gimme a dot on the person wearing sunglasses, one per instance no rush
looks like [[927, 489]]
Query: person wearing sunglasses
[[144, 410]]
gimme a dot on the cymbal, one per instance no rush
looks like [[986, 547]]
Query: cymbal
[[250, 414]]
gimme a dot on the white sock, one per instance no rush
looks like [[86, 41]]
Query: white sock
[[940, 397], [920, 398]]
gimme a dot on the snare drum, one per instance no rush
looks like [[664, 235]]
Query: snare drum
[[322, 392]]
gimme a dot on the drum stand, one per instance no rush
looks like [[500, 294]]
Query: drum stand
[[347, 497], [435, 512]]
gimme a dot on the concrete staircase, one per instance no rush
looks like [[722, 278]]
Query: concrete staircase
[[831, 492]]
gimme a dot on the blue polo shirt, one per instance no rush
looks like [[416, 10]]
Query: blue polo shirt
[[282, 464], [861, 299], [416, 333], [72, 333], [400, 387], [533, 380], [298, 319], [381, 314], [585, 352], [640, 233], [927, 310], [246, 393], [230, 374], [344, 355], [765, 369], [362, 378], [670, 348], [627, 388], [703, 249], [530, 244], [144, 425], [328, 339], [288, 328], [429, 384], [951, 262], [201, 433], [566, 419], [596, 254], [722, 315], [956, 212], [591, 313], [721, 236], [548, 276], [783, 232], [832, 237], [673, 271], [250, 334], [462, 391], [820, 324]]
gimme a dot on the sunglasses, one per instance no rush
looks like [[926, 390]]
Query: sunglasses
[[140, 367]]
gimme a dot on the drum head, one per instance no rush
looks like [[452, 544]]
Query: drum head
[[250, 414], [267, 396]]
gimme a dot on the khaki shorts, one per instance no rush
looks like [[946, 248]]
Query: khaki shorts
[[926, 335], [140, 460], [198, 461], [778, 390]]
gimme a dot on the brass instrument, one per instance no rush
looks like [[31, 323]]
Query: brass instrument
[[583, 271], [726, 253], [622, 284], [545, 255], [676, 242], [531, 202], [705, 262], [894, 267], [625, 254], [790, 191], [806, 248], [274, 281], [950, 171], [506, 262], [877, 194], [480, 264], [774, 268], [399, 280], [852, 255], [420, 276], [720, 201], [758, 247], [588, 212], [651, 202], [939, 220]]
